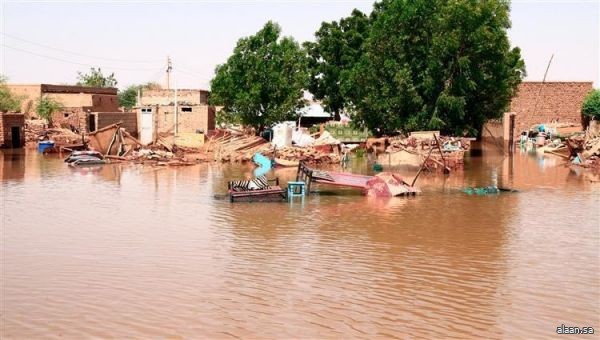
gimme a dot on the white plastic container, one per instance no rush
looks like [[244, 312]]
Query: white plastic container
[[282, 135]]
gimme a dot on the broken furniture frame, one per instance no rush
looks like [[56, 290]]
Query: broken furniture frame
[[272, 194], [304, 174]]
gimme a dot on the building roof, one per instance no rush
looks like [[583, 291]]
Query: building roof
[[50, 88], [314, 110]]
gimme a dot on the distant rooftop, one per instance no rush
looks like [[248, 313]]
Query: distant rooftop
[[51, 88]]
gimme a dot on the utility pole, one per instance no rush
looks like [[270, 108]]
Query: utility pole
[[169, 69], [537, 99], [176, 113]]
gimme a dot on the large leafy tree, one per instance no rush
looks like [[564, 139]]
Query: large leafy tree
[[8, 101], [95, 78], [262, 81], [435, 64], [337, 48]]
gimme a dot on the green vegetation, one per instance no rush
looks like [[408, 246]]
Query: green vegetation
[[46, 106], [128, 97], [434, 64], [262, 82], [95, 78], [8, 101], [410, 65], [332, 56], [591, 105]]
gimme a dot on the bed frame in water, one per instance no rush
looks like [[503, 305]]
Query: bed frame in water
[[344, 179], [272, 194]]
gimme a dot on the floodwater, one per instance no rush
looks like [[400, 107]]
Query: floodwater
[[124, 251]]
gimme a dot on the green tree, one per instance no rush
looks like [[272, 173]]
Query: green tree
[[435, 64], [262, 81], [591, 105], [8, 101], [128, 97], [95, 78], [46, 106], [337, 48]]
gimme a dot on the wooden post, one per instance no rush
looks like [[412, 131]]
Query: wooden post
[[309, 182], [511, 134], [422, 166], [446, 168]]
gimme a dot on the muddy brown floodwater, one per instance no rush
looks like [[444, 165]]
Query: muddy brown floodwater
[[125, 251]]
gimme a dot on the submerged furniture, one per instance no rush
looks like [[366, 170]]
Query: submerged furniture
[[272, 194], [77, 158], [382, 185], [309, 175], [296, 189]]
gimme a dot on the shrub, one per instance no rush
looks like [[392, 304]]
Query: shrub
[[591, 105]]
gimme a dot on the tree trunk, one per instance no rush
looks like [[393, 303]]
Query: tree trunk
[[336, 115]]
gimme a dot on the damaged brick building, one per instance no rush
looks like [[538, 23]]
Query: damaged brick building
[[12, 132], [83, 107]]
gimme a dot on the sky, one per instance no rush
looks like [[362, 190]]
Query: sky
[[46, 41]]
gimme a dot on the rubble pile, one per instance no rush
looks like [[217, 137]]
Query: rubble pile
[[585, 150], [234, 146], [412, 151], [35, 130], [226, 146], [448, 144], [159, 158], [311, 155]]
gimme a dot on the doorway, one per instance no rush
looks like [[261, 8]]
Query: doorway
[[15, 132], [92, 123]]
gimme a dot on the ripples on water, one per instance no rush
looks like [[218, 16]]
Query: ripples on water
[[134, 252]]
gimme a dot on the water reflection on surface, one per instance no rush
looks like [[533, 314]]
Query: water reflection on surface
[[127, 251]]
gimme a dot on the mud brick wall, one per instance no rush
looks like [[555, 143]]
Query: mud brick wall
[[7, 121], [129, 120], [74, 118], [557, 101]]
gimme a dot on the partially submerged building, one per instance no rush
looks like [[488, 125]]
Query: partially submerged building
[[157, 113], [84, 108], [542, 103], [12, 130]]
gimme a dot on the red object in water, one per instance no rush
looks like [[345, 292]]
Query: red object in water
[[387, 184]]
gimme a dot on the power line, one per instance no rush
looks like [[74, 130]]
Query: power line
[[189, 69], [77, 53], [77, 63], [190, 75]]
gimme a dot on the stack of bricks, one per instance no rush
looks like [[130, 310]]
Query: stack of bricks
[[7, 122], [556, 101]]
